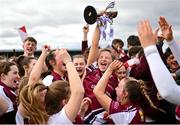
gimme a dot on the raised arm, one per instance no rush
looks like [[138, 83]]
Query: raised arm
[[94, 50], [99, 90], [85, 38], [165, 83], [167, 33], [37, 69], [77, 90]]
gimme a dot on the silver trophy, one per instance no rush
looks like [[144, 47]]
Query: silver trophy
[[91, 14]]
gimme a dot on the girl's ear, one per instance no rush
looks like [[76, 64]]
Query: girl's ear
[[52, 62], [25, 67], [64, 101], [3, 76], [125, 94]]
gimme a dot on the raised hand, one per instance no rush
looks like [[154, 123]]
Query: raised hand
[[146, 35], [166, 29], [64, 55], [116, 64], [85, 32], [86, 29], [84, 106], [46, 49]]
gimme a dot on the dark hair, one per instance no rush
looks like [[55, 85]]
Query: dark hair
[[133, 89], [79, 56], [86, 53], [118, 41], [50, 57], [134, 50], [133, 40], [167, 53], [5, 67], [23, 61], [31, 39]]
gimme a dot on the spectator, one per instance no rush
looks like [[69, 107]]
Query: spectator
[[29, 46]]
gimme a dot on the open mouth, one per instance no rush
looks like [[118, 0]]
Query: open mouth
[[30, 50], [103, 64], [16, 82], [79, 70]]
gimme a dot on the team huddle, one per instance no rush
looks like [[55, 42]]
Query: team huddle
[[99, 85]]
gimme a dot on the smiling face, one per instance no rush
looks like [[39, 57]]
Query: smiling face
[[104, 60], [11, 78], [121, 73], [29, 48], [79, 64], [171, 61]]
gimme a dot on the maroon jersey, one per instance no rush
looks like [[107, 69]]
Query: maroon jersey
[[126, 114], [84, 46], [178, 114], [56, 76], [9, 117], [95, 110], [142, 71], [78, 120], [124, 58]]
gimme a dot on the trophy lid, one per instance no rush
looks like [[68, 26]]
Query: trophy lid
[[90, 15]]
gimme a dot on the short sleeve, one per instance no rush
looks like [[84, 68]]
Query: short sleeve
[[59, 118]]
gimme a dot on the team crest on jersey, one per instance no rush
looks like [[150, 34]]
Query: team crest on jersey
[[93, 86], [116, 105], [141, 115]]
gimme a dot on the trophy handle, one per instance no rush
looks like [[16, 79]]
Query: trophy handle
[[111, 5]]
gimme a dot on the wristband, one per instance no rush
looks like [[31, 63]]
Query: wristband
[[150, 49]]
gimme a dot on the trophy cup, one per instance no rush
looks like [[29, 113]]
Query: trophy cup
[[91, 14]]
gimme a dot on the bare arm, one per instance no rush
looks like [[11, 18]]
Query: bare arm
[[84, 45], [37, 69], [77, 90], [3, 106], [99, 90], [94, 50], [85, 32]]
